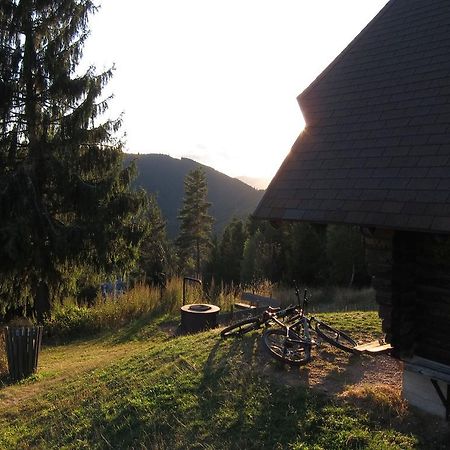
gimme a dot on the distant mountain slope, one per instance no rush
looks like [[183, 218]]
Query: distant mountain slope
[[164, 175]]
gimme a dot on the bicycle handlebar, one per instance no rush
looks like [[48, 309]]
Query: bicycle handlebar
[[301, 304]]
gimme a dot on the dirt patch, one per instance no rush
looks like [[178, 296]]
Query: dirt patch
[[357, 370], [333, 371]]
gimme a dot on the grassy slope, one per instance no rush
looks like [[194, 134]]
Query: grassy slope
[[143, 388]]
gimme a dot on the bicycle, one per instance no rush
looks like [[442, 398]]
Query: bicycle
[[291, 343], [291, 313]]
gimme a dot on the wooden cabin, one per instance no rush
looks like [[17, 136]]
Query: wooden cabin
[[375, 153]]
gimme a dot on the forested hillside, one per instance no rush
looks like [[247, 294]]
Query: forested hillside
[[164, 175]]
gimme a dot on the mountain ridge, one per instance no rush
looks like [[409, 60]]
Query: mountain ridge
[[164, 176]]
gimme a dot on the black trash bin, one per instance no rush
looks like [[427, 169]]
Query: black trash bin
[[22, 349]]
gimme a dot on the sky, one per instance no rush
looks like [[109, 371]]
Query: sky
[[217, 80]]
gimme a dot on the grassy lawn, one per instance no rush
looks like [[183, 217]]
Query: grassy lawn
[[142, 387]]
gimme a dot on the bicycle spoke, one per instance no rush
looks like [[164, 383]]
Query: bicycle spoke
[[287, 350]]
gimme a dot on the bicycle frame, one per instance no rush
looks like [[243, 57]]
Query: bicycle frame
[[291, 342], [302, 322]]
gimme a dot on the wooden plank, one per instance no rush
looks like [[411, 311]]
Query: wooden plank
[[20, 350], [9, 349], [429, 372], [374, 347], [430, 352], [38, 346], [430, 290], [31, 349], [243, 306], [259, 300]]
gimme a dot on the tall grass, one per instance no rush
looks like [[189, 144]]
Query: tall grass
[[70, 320], [330, 299], [222, 295], [143, 301]]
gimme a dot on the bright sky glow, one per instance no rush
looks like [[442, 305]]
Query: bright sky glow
[[216, 80]]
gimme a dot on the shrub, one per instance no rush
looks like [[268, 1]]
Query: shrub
[[71, 320]]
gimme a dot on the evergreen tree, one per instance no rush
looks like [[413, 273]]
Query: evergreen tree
[[212, 270], [306, 257], [195, 228], [65, 201], [156, 258], [224, 262], [231, 251], [254, 259], [345, 252]]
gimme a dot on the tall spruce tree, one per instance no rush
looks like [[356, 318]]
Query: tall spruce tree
[[232, 250], [156, 260], [195, 228], [65, 201]]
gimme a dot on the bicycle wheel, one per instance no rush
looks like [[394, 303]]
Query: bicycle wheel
[[241, 327], [289, 351], [335, 337]]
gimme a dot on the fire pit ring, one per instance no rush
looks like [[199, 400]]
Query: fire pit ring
[[199, 307], [198, 316]]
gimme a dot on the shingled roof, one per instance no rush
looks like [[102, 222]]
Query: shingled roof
[[376, 147]]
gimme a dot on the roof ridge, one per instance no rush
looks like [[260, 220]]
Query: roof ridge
[[345, 51]]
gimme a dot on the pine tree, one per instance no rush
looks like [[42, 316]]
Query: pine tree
[[156, 258], [195, 228], [252, 271], [231, 250], [346, 256], [65, 201], [305, 256]]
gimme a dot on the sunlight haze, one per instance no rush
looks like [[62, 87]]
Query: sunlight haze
[[217, 81]]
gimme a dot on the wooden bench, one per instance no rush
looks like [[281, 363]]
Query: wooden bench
[[251, 305], [259, 301], [436, 373]]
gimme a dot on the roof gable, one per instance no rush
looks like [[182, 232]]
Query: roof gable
[[376, 148]]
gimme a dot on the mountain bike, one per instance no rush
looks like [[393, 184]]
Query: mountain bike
[[291, 343], [268, 316]]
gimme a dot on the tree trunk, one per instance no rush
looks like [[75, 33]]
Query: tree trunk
[[198, 257], [42, 302], [352, 278]]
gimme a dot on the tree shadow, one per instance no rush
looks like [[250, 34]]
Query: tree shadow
[[241, 416], [146, 327]]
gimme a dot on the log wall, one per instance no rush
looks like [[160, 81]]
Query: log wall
[[411, 276], [433, 294]]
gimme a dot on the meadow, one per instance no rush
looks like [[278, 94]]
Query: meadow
[[133, 382]]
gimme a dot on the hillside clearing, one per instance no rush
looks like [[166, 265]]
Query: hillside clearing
[[150, 389]]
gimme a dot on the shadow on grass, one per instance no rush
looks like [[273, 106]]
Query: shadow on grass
[[148, 326], [248, 404], [242, 407], [143, 328], [198, 391]]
